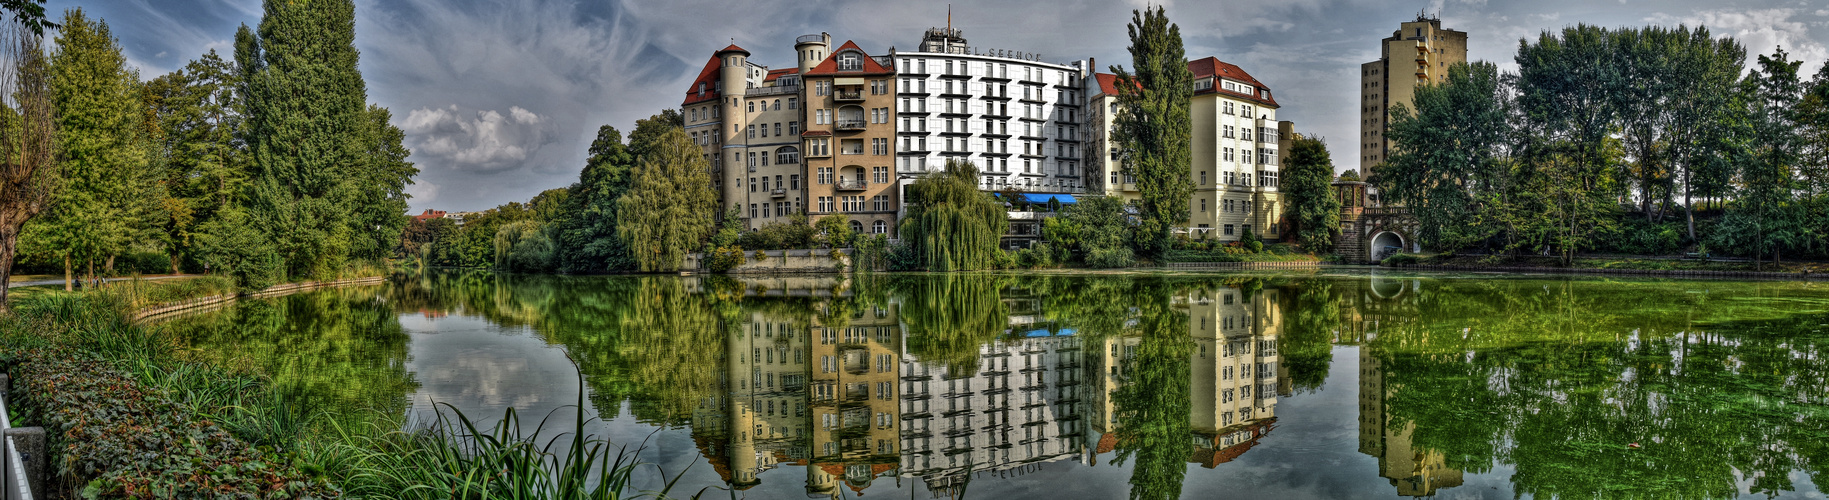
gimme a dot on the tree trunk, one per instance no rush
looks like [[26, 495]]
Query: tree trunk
[[67, 274], [109, 267], [1689, 210], [174, 263], [8, 243]]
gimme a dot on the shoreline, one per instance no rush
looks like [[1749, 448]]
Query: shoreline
[[159, 311]]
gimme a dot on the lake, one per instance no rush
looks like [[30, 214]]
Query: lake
[[1052, 385]]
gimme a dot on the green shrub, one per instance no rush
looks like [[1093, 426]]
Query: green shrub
[[1638, 237], [723, 259], [120, 438], [1402, 259]]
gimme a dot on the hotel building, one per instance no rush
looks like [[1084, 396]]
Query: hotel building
[[1019, 119]]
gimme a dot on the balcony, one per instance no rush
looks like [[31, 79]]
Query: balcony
[[844, 184], [849, 125], [841, 95], [778, 193]]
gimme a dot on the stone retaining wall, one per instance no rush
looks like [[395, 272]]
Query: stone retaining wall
[[1246, 266], [272, 291]]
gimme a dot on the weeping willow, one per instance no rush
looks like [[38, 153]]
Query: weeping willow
[[950, 317], [668, 211], [951, 225]]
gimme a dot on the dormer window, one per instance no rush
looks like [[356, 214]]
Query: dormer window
[[850, 61]]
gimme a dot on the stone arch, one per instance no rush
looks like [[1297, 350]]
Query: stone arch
[[1385, 243]]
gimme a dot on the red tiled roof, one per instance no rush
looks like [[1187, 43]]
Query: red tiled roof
[[830, 65], [707, 77], [1202, 68], [778, 73], [1210, 66], [731, 48], [1108, 83], [815, 133]]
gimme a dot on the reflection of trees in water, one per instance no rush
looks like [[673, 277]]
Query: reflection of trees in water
[[949, 316], [1311, 313], [1154, 403], [1557, 379], [335, 352]]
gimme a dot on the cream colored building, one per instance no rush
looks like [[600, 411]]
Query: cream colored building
[[1237, 142], [1418, 52], [748, 120]]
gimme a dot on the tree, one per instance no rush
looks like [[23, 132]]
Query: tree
[[29, 15], [30, 175], [1446, 165], [196, 114], [667, 210], [951, 225], [112, 192], [328, 173], [1767, 219], [1154, 128], [1568, 160], [1308, 193], [1096, 230], [833, 231]]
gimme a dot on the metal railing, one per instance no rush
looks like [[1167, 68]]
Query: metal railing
[[852, 184], [17, 485]]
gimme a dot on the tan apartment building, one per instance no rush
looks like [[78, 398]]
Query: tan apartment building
[[747, 119], [1236, 145], [1419, 52], [855, 415], [850, 138]]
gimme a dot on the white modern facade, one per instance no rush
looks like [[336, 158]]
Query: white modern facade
[[1019, 119]]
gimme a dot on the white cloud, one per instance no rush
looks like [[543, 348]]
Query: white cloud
[[422, 192], [482, 141], [1759, 30]]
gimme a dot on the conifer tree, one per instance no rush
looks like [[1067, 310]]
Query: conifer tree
[[1154, 129], [110, 194]]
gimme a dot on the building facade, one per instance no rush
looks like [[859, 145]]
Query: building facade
[[850, 135], [1418, 52], [1020, 120], [747, 119], [1237, 142]]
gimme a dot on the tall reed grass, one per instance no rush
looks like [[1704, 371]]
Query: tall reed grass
[[452, 457]]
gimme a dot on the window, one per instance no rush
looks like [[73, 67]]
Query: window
[[793, 103], [794, 182], [1228, 233], [777, 128], [777, 106], [752, 106], [752, 210], [793, 128], [850, 61], [879, 227], [752, 131], [787, 155], [879, 146], [1203, 205]]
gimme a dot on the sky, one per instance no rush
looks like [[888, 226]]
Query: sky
[[499, 99]]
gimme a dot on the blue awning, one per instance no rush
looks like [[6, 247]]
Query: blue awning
[[1042, 198], [1065, 332]]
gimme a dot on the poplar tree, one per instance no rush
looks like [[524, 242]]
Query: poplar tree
[[1153, 128], [195, 115], [668, 209], [305, 101], [110, 188], [1307, 187], [1449, 169]]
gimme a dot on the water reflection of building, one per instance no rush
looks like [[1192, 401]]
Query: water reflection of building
[[1235, 376], [1021, 408], [761, 415], [1413, 470], [853, 393]]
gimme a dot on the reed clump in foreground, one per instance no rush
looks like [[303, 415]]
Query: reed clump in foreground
[[128, 418]]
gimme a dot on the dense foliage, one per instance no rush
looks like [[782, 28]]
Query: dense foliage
[[1153, 130], [1632, 140], [951, 225], [1308, 193], [1096, 230]]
